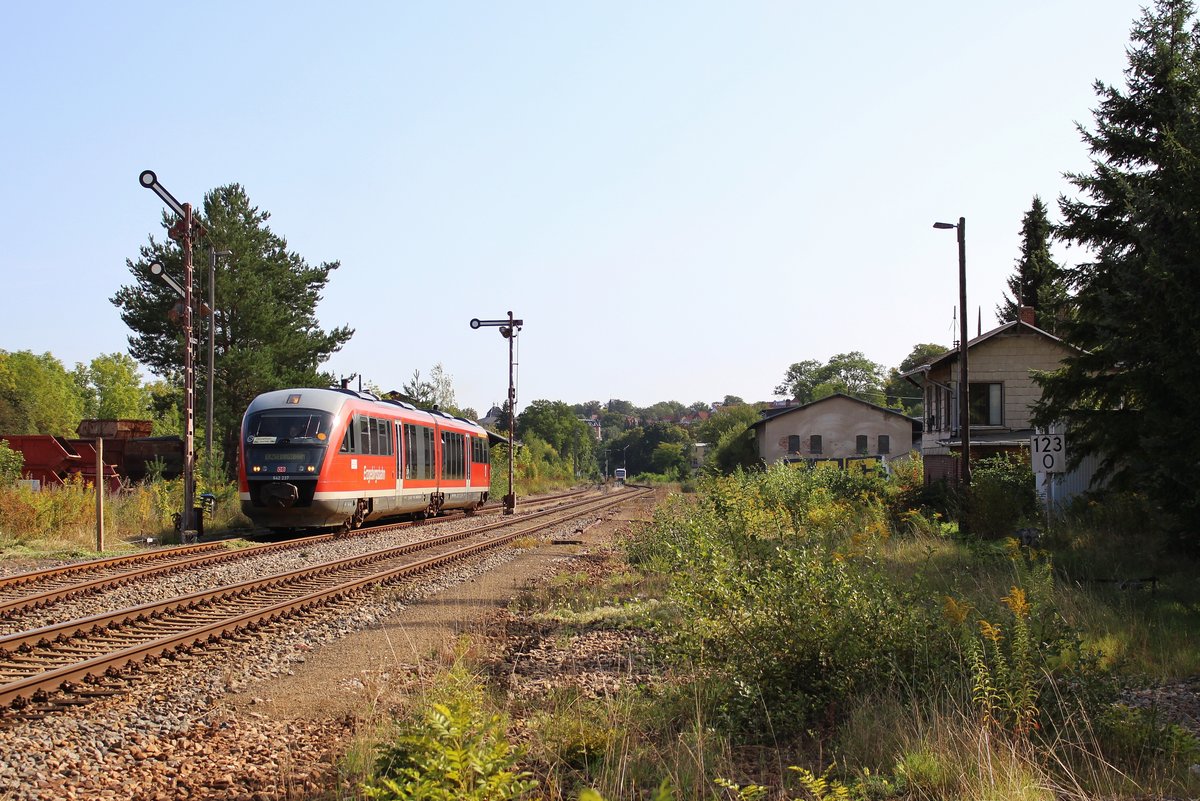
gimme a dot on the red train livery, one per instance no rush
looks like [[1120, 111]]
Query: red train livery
[[319, 458]]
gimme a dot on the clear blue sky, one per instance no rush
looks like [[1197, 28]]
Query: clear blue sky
[[680, 198]]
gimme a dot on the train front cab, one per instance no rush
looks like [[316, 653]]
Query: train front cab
[[283, 456]]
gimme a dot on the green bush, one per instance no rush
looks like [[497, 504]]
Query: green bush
[[1001, 497], [454, 751], [11, 463], [780, 597]]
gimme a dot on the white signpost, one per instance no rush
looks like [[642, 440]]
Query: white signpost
[[1048, 454]]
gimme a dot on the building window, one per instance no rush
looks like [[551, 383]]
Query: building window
[[885, 443], [986, 402], [793, 445], [860, 444], [814, 443]]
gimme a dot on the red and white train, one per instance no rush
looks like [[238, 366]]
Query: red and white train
[[320, 458]]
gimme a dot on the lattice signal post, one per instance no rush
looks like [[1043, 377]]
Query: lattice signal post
[[508, 329], [185, 231]]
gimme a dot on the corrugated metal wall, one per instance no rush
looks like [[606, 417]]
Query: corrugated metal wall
[[1067, 486]]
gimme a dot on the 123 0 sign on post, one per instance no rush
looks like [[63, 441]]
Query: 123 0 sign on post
[[1049, 453]]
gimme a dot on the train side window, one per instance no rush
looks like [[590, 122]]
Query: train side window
[[381, 441], [348, 439], [430, 452], [452, 455], [364, 435], [410, 451]]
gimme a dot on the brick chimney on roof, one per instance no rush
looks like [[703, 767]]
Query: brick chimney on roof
[[1028, 315]]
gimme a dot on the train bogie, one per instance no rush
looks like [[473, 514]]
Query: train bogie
[[321, 458]]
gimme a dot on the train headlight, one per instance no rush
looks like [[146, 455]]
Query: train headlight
[[257, 468], [312, 469]]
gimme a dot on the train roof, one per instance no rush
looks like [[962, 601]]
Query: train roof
[[334, 400]]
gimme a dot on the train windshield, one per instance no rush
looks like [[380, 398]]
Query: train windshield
[[296, 426]]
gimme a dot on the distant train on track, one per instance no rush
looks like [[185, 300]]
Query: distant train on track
[[325, 458]]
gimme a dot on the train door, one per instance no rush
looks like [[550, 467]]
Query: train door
[[466, 457], [399, 426], [439, 464]]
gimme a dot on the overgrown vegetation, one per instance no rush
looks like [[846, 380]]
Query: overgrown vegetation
[[62, 519], [816, 638]]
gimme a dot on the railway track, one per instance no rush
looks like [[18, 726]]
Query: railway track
[[72, 663], [39, 590]]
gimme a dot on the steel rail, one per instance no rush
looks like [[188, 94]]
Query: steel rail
[[21, 691], [16, 605], [91, 565], [79, 627]]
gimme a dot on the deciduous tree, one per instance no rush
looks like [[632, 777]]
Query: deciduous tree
[[37, 395], [112, 389], [556, 423], [903, 393], [851, 373]]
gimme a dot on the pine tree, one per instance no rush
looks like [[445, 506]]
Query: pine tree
[[266, 327], [1129, 396], [1038, 281]]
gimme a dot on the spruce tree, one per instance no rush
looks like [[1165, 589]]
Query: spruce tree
[[1128, 396], [267, 335], [1038, 281]]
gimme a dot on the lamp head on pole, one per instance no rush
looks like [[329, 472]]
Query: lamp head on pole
[[944, 226]]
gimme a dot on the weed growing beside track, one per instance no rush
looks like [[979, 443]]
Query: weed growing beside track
[[796, 634], [61, 520]]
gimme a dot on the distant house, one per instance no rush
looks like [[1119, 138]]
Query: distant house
[[835, 428], [594, 424], [1000, 368], [493, 417]]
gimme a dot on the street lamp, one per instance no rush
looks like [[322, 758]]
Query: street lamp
[[964, 408], [212, 345], [508, 329], [185, 230]]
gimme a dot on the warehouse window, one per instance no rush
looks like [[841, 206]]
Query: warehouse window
[[885, 443], [814, 443]]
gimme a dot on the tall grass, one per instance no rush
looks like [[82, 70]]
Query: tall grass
[[62, 519]]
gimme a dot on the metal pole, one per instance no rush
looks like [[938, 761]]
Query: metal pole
[[186, 527], [964, 408], [99, 494], [511, 500], [212, 349]]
